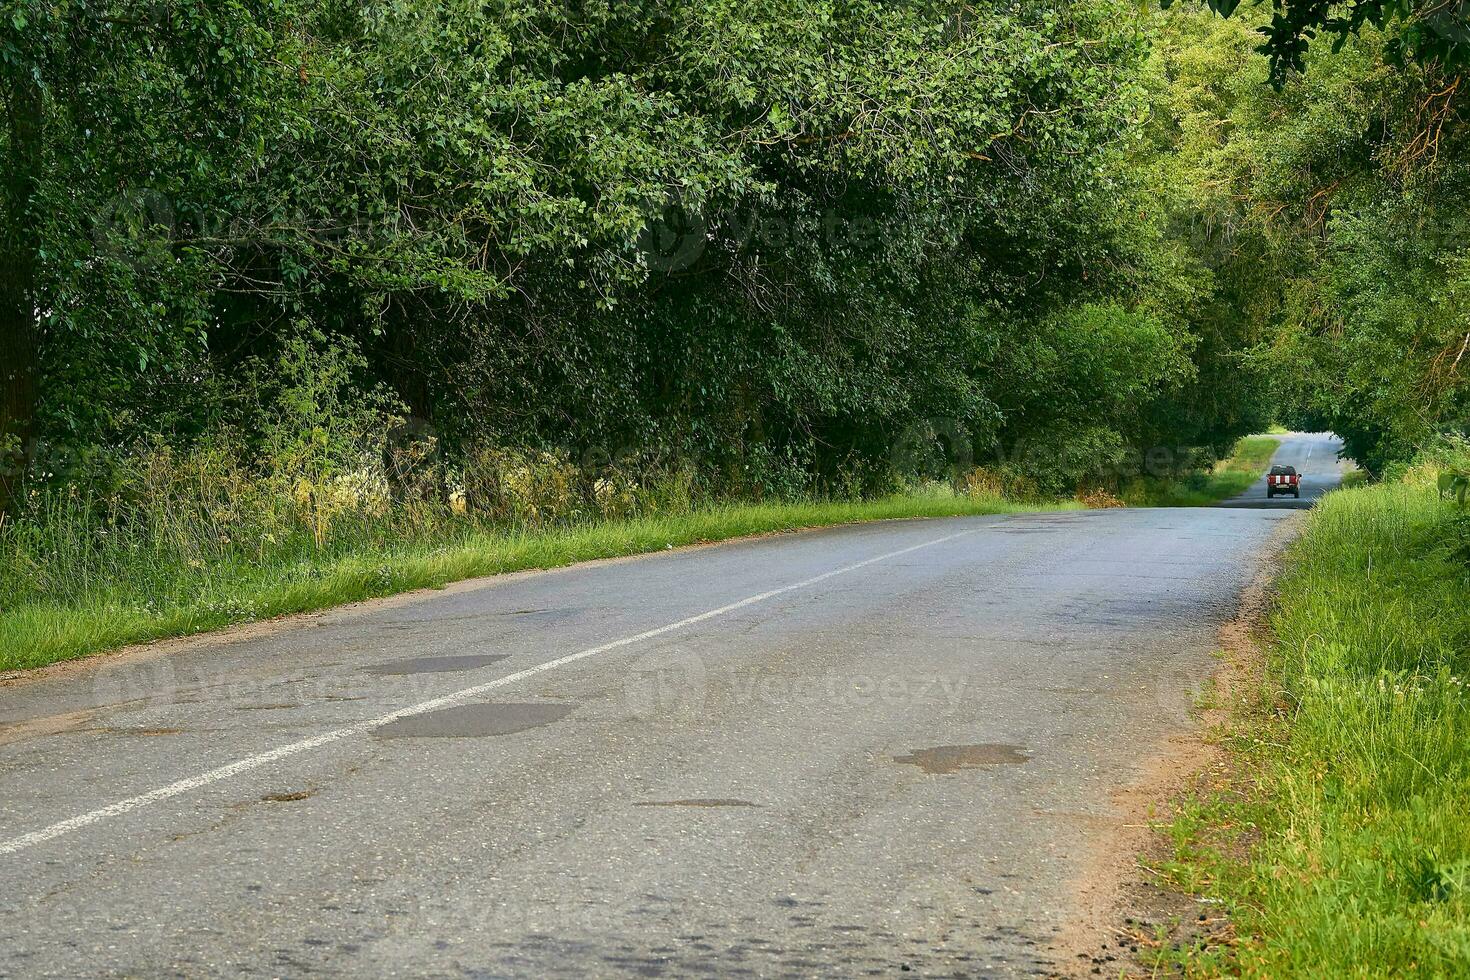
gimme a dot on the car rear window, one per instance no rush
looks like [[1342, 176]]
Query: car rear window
[[1283, 471]]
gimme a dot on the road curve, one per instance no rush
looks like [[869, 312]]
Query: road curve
[[867, 749]]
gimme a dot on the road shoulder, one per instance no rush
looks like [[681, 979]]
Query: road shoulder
[[1124, 911]]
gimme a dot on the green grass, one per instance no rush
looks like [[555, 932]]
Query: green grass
[[1357, 756], [129, 602], [1229, 478]]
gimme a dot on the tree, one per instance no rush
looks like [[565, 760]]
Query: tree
[[1332, 212], [607, 225], [127, 120]]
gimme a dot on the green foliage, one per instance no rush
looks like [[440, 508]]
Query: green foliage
[[1332, 215], [608, 230], [309, 411], [1077, 387]]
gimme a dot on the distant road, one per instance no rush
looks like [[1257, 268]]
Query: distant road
[[869, 748], [1314, 454]]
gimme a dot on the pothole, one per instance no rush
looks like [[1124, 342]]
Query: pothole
[[436, 665], [944, 759], [475, 721]]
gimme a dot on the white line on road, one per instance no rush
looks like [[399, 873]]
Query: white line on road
[[361, 728]]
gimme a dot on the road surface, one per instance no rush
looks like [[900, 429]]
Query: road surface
[[871, 749]]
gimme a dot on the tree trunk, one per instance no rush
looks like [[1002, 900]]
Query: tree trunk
[[19, 343]]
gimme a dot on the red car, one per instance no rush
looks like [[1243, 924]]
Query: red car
[[1283, 479]]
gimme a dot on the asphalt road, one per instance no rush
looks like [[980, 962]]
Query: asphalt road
[[1314, 454], [863, 750]]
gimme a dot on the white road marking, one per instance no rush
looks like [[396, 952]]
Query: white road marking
[[361, 728]]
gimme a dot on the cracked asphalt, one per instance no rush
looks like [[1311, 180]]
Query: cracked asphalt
[[865, 750]]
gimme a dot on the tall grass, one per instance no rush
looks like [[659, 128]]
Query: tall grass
[[187, 544], [1359, 753]]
